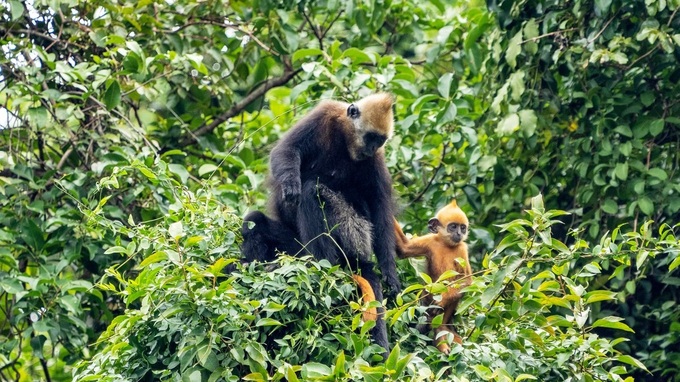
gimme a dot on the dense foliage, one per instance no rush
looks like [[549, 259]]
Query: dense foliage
[[133, 135]]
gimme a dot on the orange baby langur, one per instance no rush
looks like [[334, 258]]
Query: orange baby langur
[[444, 249]]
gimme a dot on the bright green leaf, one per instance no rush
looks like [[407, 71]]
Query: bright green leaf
[[508, 125], [528, 122], [207, 168], [304, 53], [514, 49], [612, 323]]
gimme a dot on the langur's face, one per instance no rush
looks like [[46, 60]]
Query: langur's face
[[371, 125]]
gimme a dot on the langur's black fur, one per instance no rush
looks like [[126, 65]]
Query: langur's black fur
[[328, 174]]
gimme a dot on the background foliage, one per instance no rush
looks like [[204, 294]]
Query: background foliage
[[135, 134]]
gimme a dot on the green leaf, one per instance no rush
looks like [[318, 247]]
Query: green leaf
[[528, 119], [482, 371], [193, 241], [290, 373], [115, 249], [626, 149], [11, 285], [602, 7], [631, 361], [340, 364], [17, 9], [315, 370], [358, 56], [599, 295], [621, 170], [437, 320], [112, 95], [486, 162], [657, 173], [508, 125], [391, 362], [207, 358], [498, 281], [180, 171], [647, 98], [517, 85], [194, 376], [444, 85], [537, 204], [176, 230], [514, 49], [612, 323], [610, 207], [646, 205], [675, 263], [449, 114], [624, 130], [303, 53], [39, 116], [656, 127], [268, 322], [206, 168], [154, 258], [33, 235]]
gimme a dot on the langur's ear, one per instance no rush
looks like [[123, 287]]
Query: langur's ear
[[433, 225]]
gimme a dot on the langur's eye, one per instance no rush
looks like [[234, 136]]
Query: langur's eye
[[463, 228], [451, 227], [353, 112]]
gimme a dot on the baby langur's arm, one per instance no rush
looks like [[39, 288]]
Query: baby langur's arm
[[416, 247]]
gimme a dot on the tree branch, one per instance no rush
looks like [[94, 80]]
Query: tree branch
[[317, 32], [434, 174], [236, 109]]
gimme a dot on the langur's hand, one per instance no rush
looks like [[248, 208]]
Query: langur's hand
[[290, 193]]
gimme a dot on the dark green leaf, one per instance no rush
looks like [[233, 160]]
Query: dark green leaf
[[112, 95]]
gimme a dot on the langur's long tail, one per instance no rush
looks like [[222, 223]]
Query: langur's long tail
[[367, 295]]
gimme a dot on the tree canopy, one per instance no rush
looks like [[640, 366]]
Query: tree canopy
[[135, 135]]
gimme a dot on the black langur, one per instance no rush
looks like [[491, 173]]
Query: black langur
[[444, 249], [331, 194]]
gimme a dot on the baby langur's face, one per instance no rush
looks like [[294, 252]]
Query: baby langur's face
[[453, 233], [457, 232]]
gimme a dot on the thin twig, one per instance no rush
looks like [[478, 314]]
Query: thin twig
[[672, 16], [317, 32], [632, 64], [604, 28], [237, 27], [548, 34], [64, 157], [434, 174], [323, 35], [48, 37]]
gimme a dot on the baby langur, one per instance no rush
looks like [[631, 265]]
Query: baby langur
[[444, 249]]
